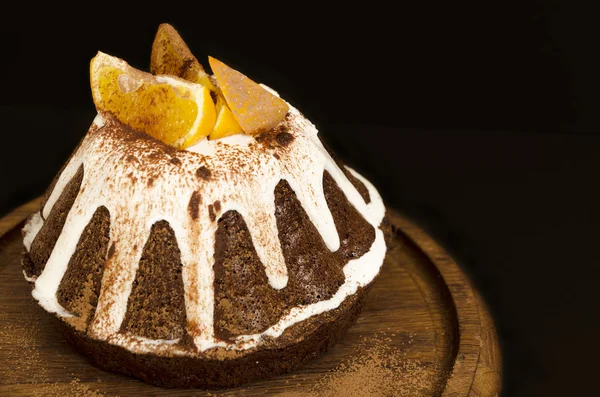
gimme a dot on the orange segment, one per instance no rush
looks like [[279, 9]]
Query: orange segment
[[170, 55], [170, 109], [226, 123], [255, 108]]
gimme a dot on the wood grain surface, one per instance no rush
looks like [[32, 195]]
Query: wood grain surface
[[424, 331]]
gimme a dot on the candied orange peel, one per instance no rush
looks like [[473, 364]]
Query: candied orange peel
[[170, 55], [255, 108]]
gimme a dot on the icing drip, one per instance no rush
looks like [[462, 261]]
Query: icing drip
[[158, 184], [31, 229]]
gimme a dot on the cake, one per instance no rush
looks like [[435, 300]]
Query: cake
[[206, 262]]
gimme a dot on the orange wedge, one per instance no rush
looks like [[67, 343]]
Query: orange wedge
[[170, 55], [226, 123], [255, 109], [170, 109]]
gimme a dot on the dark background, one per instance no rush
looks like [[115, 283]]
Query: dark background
[[478, 120]]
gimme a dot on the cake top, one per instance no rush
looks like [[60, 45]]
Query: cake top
[[179, 103]]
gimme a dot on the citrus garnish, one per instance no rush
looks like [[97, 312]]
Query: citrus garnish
[[255, 108], [170, 55], [226, 123], [172, 110]]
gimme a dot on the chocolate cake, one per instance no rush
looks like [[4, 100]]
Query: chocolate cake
[[232, 260]]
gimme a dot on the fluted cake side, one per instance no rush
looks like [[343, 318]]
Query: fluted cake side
[[234, 251]]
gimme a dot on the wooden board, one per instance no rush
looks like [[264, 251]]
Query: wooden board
[[423, 331]]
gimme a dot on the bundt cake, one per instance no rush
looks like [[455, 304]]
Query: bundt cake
[[236, 258]]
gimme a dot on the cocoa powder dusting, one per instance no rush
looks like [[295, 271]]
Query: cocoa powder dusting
[[203, 173], [26, 359], [111, 250], [284, 138], [194, 205], [377, 370], [74, 389]]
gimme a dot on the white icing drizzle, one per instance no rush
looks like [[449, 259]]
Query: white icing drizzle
[[30, 279], [243, 178], [31, 229]]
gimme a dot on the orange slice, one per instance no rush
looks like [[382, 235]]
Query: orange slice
[[255, 108], [170, 109], [226, 123], [170, 55]]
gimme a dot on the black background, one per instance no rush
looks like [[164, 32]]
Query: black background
[[478, 120]]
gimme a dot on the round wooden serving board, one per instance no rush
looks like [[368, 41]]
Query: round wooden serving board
[[422, 312]]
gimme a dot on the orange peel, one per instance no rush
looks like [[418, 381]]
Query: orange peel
[[226, 124], [255, 108]]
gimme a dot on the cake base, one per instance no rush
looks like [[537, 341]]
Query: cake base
[[297, 345], [422, 305]]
